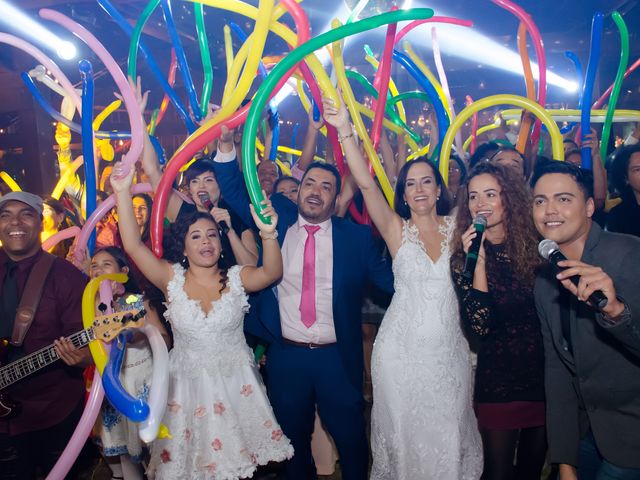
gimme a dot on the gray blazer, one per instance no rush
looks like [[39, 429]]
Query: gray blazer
[[597, 386]]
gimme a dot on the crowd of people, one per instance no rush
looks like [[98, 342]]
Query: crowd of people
[[490, 372]]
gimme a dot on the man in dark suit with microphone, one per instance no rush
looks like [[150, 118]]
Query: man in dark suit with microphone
[[592, 355]]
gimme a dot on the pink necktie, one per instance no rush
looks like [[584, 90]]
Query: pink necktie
[[308, 297]]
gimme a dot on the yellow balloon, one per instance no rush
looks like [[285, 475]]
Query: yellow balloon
[[350, 100], [98, 352], [101, 117], [492, 101], [255, 44], [486, 128], [282, 31], [284, 149], [228, 48], [419, 153], [66, 178], [568, 115], [10, 182]]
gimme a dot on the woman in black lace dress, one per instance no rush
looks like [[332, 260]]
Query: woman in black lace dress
[[499, 315]]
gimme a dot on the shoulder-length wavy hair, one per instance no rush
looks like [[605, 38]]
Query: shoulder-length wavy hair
[[174, 243], [443, 204], [521, 236]]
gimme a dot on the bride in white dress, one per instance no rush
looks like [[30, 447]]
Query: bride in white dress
[[422, 422], [220, 420]]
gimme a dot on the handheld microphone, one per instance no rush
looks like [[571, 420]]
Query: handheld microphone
[[549, 250], [208, 204], [479, 223]]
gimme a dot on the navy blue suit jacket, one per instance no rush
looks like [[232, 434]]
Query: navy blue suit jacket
[[356, 262]]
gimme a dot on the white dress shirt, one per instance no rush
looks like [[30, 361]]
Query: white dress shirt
[[290, 288]]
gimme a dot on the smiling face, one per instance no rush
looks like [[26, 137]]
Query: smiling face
[[421, 190], [141, 211], [289, 189], [317, 195], [485, 199], [510, 159], [20, 227], [204, 183], [202, 245], [560, 210], [267, 175], [103, 263]]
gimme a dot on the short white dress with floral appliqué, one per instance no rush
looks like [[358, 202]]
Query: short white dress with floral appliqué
[[220, 420]]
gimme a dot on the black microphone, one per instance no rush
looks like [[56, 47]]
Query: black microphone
[[208, 204], [479, 223], [549, 250]]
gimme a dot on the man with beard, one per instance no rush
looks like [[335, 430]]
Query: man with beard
[[592, 356], [311, 318]]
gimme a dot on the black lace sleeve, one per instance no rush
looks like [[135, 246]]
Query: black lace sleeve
[[475, 306]]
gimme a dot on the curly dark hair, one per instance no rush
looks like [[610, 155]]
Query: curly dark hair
[[443, 205], [521, 234], [174, 243]]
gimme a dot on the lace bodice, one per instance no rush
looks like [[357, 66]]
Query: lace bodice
[[423, 424], [214, 340]]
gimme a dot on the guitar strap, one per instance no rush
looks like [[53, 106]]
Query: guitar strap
[[31, 298]]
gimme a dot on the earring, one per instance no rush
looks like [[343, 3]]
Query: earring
[[405, 203], [438, 197], [221, 254], [184, 262]]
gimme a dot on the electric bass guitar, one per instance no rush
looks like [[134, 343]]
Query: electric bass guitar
[[104, 327]]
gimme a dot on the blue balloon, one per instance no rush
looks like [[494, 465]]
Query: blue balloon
[[86, 72], [316, 111], [159, 150], [589, 80], [46, 106], [153, 66], [580, 74], [441, 112], [182, 59], [131, 407]]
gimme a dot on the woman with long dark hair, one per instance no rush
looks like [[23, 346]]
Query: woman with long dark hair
[[498, 310], [422, 422], [221, 422]]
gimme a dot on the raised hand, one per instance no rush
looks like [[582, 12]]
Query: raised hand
[[121, 181], [268, 212], [337, 117]]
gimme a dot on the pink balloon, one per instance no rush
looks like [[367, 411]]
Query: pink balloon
[[101, 210], [47, 62], [415, 23], [82, 431], [128, 96], [53, 240], [435, 46]]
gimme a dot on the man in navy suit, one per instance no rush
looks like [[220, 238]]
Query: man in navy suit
[[311, 319]]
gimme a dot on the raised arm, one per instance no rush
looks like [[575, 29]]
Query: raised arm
[[386, 220], [259, 278], [310, 142], [158, 271]]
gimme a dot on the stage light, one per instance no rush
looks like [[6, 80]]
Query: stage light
[[29, 27]]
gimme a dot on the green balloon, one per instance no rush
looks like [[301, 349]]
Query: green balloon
[[286, 64], [206, 59], [135, 37], [617, 85]]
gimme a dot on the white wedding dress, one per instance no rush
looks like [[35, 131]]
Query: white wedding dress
[[220, 420], [422, 424]]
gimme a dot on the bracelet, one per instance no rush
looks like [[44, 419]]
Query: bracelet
[[343, 138], [268, 236]]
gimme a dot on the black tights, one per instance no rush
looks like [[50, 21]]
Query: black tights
[[500, 448]]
